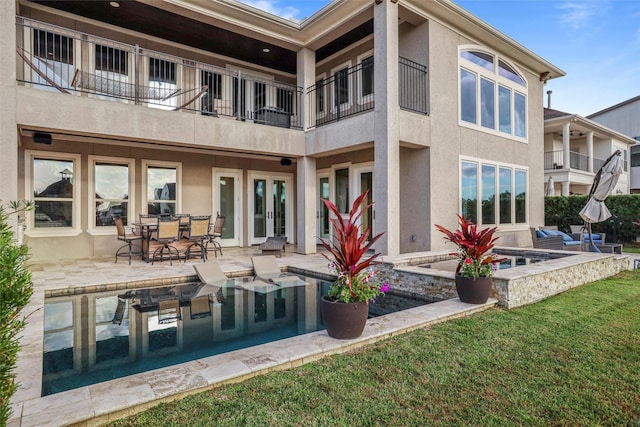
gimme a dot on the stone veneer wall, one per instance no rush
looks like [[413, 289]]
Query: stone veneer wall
[[512, 287]]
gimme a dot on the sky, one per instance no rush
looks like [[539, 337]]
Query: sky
[[595, 42]]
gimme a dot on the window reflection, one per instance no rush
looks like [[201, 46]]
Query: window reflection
[[53, 192], [161, 190]]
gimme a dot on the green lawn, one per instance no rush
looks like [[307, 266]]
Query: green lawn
[[573, 359]]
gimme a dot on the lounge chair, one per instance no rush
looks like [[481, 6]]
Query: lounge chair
[[542, 241], [274, 245], [266, 268]]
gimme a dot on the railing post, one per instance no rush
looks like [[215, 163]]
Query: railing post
[[239, 96], [136, 76]]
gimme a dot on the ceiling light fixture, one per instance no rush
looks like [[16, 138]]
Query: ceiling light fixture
[[114, 4], [266, 50]]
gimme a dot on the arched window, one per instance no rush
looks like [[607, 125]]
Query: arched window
[[493, 94]]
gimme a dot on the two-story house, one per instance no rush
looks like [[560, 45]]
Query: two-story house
[[624, 117], [575, 148], [194, 106]]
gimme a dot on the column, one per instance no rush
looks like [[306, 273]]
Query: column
[[386, 176], [590, 150], [307, 205], [566, 185], [8, 128], [565, 146], [306, 192]]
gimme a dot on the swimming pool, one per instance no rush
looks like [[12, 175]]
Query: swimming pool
[[513, 259], [95, 337]]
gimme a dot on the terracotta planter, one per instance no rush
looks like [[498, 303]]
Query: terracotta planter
[[344, 320], [473, 291]]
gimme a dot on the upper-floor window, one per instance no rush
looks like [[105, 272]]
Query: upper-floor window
[[53, 57], [51, 180], [320, 94], [163, 84], [493, 95], [366, 81], [493, 194], [111, 180], [163, 186], [112, 72]]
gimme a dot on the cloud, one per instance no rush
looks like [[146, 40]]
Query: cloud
[[271, 6], [577, 14]]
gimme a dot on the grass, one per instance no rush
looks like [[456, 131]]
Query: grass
[[573, 359]]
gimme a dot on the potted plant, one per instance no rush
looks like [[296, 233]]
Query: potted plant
[[476, 262], [346, 307]]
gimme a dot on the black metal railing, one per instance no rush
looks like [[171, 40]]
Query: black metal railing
[[68, 61], [413, 86], [351, 91]]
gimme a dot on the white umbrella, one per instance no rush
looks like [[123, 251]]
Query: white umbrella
[[603, 185], [551, 191]]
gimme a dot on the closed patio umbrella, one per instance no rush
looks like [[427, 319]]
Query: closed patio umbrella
[[603, 185], [551, 191]]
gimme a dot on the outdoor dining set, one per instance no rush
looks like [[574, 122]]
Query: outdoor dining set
[[179, 236]]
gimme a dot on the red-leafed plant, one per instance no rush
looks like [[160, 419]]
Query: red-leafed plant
[[474, 248], [355, 280]]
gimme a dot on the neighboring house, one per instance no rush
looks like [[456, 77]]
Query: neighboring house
[[625, 118], [574, 150], [214, 106]]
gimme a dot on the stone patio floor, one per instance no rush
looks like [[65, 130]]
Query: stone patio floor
[[99, 403]]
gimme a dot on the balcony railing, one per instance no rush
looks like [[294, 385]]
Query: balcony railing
[[56, 58], [350, 91], [555, 160]]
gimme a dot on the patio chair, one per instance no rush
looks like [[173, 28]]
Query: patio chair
[[197, 233], [200, 307], [184, 223], [266, 268], [213, 244], [169, 311], [126, 234], [168, 233], [119, 313], [274, 244], [542, 241]]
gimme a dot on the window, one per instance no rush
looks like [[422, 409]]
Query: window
[[498, 103], [341, 87], [342, 190], [259, 95], [284, 100], [112, 183], [320, 95], [53, 56], [625, 159], [497, 190], [163, 181], [214, 91], [112, 72], [635, 156], [163, 84], [366, 81], [51, 180]]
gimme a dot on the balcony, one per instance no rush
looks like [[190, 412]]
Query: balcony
[[350, 91], [555, 160], [79, 64]]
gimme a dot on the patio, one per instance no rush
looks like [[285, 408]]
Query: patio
[[98, 403]]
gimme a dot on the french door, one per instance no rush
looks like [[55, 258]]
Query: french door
[[363, 177], [270, 206], [323, 226], [227, 200]]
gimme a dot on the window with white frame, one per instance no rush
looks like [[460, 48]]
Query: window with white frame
[[163, 83], [53, 56], [52, 182], [493, 95], [163, 186], [321, 85], [365, 78], [501, 190], [112, 181], [341, 87]]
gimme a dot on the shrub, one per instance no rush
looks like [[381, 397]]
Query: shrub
[[15, 292]]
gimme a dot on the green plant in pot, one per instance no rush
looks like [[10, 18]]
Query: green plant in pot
[[476, 261], [345, 308]]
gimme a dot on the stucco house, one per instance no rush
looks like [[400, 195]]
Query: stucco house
[[257, 117], [624, 117], [575, 148]]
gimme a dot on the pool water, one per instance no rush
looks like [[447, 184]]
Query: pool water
[[95, 337]]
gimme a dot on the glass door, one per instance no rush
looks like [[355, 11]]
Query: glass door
[[227, 201], [363, 181], [270, 207], [323, 227]]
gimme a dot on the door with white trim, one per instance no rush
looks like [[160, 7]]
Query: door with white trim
[[323, 225], [363, 181], [270, 206], [227, 200]]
